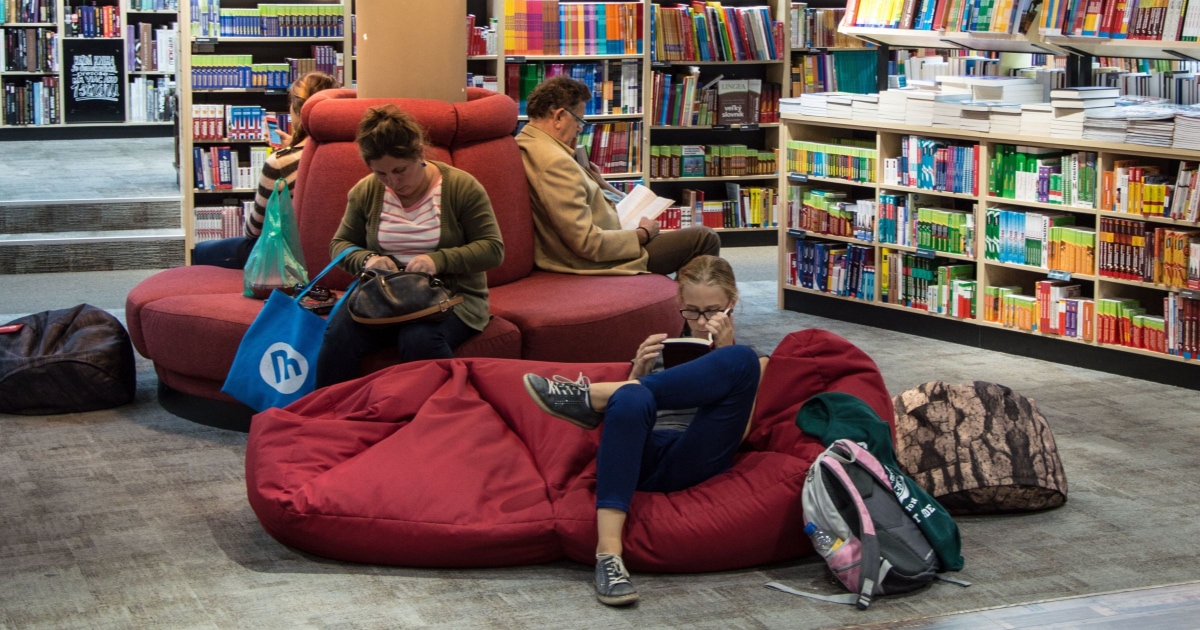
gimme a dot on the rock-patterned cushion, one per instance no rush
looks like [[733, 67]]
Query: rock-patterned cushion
[[979, 448]]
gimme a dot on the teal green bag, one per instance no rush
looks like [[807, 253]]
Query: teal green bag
[[277, 261]]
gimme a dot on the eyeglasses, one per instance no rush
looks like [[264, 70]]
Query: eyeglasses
[[579, 122], [692, 315]]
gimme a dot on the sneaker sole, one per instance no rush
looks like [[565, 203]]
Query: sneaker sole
[[542, 405], [623, 600]]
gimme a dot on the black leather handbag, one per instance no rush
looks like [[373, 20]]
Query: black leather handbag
[[395, 297]]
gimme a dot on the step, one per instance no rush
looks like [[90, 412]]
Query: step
[[105, 250], [81, 215]]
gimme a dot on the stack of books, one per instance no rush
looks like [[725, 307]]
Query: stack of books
[[1005, 118], [1086, 97], [790, 106], [948, 113], [892, 104], [1151, 128], [1008, 89], [1067, 123], [837, 105], [1187, 130], [975, 116], [866, 107], [1036, 119], [1105, 124], [919, 108], [815, 104]]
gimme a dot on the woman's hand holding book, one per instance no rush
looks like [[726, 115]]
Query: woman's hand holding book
[[647, 352]]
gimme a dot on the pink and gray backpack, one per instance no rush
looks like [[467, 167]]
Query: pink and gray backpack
[[852, 497]]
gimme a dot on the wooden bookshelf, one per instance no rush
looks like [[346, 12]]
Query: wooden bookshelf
[[58, 110], [274, 50], [871, 309]]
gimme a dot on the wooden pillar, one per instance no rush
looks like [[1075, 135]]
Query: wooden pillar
[[412, 49]]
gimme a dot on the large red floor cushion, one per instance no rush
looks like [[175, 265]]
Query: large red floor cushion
[[450, 464]]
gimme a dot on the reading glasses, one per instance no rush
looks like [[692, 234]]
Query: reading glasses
[[581, 123], [690, 314]]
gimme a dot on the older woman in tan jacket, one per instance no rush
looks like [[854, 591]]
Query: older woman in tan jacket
[[577, 229]]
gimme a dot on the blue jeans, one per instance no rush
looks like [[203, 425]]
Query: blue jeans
[[230, 253], [347, 342], [633, 456]]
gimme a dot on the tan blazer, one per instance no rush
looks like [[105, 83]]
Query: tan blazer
[[576, 228]]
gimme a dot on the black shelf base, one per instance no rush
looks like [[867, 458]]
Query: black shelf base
[[213, 413], [748, 238], [1101, 359]]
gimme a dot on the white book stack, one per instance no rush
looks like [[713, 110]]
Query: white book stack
[[1005, 118], [864, 107], [1036, 119], [1155, 129], [814, 104], [1187, 130], [919, 110], [789, 105], [838, 106], [947, 114], [1067, 123], [1105, 124], [1008, 89], [975, 116], [892, 104]]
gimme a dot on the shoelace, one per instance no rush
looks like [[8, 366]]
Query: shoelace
[[614, 570], [562, 385]]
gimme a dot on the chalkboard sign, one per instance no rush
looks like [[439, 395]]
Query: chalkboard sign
[[95, 88]]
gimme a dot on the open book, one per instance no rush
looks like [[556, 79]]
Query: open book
[[679, 350], [640, 202]]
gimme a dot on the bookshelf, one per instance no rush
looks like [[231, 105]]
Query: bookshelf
[[972, 257], [134, 44], [238, 61]]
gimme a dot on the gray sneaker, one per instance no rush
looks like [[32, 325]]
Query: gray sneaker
[[564, 398], [612, 581]]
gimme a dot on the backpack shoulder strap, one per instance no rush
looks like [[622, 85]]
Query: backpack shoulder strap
[[869, 543]]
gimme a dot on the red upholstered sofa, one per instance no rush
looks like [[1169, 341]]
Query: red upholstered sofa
[[190, 320], [450, 464]]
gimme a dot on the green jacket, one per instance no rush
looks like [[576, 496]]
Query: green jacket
[[469, 246], [833, 416]]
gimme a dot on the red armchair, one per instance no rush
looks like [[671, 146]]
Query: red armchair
[[190, 320]]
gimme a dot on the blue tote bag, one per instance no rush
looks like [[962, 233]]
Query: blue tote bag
[[277, 360]]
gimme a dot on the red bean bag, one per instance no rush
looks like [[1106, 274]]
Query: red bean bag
[[449, 463]]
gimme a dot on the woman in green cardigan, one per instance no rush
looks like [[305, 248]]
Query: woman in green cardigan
[[424, 216]]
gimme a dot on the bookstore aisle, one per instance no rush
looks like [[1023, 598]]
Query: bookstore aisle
[[121, 168]]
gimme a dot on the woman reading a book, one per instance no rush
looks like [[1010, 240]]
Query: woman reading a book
[[284, 163], [577, 229], [418, 215], [637, 452]]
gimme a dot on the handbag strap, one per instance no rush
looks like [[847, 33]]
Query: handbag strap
[[333, 263]]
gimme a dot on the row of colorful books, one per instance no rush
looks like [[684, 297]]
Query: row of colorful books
[[29, 50], [614, 147], [481, 40], [945, 230], [709, 160], [1001, 16], [153, 5], [549, 27], [848, 159], [1133, 250], [836, 71], [1125, 322], [94, 21], [218, 168], [208, 19], [894, 226], [215, 72], [927, 284], [830, 212], [217, 222], [1046, 239], [32, 102], [1124, 19], [217, 121], [841, 269], [818, 28], [1044, 175], [25, 11], [711, 32], [615, 83], [679, 100], [151, 48], [151, 99], [933, 164], [743, 207], [1056, 308]]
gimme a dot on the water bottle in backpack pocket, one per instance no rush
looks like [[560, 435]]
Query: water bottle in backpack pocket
[[873, 546]]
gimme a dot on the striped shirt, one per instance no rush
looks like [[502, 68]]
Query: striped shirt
[[408, 232], [282, 164]]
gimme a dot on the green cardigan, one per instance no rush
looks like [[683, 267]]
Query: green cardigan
[[469, 246]]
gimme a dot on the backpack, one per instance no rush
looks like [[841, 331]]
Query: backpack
[[851, 496]]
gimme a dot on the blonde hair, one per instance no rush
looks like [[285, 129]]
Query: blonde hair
[[708, 270], [299, 92]]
